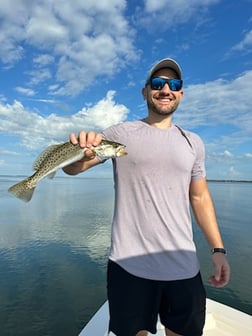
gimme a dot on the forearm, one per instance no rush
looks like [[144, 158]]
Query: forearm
[[205, 215], [204, 212]]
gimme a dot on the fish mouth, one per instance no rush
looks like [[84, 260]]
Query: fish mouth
[[121, 152]]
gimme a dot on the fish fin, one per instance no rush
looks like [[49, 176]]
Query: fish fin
[[44, 155], [51, 175], [23, 190]]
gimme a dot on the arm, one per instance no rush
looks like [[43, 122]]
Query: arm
[[204, 212], [89, 160]]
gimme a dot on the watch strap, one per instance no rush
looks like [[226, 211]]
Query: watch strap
[[218, 250]]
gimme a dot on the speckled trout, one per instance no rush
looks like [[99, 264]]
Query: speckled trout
[[59, 156]]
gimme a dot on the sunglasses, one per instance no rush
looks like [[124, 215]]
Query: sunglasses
[[157, 83]]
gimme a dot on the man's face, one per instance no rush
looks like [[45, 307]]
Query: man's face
[[164, 101]]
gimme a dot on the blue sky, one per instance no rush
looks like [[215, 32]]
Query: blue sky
[[72, 65]]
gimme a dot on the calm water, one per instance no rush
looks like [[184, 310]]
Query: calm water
[[53, 253]]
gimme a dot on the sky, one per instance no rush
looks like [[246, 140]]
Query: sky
[[72, 65]]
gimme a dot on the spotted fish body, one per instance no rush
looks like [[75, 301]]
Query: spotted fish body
[[59, 156]]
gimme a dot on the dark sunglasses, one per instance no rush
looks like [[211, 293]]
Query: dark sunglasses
[[157, 83]]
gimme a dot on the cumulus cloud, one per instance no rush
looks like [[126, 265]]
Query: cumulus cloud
[[218, 102], [172, 12], [222, 109], [36, 131], [43, 59], [233, 172], [75, 41], [225, 156], [60, 48], [228, 165]]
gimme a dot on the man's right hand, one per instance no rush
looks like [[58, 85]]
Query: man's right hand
[[85, 139]]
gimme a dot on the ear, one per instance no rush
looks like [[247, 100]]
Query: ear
[[144, 92]]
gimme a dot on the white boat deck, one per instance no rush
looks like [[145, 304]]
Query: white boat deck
[[221, 320]]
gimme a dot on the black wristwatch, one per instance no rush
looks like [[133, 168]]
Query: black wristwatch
[[219, 250]]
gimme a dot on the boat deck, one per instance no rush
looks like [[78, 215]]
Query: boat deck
[[215, 326], [221, 320]]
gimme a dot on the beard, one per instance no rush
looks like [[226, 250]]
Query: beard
[[165, 110]]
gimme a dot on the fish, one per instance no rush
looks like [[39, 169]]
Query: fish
[[59, 156]]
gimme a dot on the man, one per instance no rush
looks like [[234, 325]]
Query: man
[[153, 267]]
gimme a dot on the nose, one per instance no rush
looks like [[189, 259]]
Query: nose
[[166, 88]]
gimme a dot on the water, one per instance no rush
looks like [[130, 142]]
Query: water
[[53, 253], [234, 213]]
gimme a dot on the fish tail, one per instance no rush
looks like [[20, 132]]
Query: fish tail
[[23, 190]]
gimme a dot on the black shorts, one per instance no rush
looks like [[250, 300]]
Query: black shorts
[[135, 303]]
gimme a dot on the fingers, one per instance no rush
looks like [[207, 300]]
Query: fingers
[[73, 139], [86, 139], [221, 276], [218, 283]]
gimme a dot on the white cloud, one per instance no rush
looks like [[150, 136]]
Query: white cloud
[[7, 152], [228, 154], [221, 110], [104, 113], [25, 91], [226, 165], [179, 6], [172, 12], [245, 43], [85, 39], [37, 131], [220, 102], [38, 76], [43, 59], [233, 172], [218, 157]]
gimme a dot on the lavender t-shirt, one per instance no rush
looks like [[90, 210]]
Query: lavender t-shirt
[[151, 230]]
